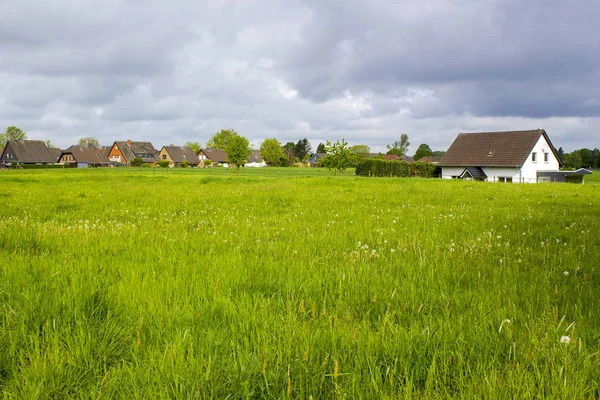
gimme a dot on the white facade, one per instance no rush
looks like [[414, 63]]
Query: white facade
[[541, 158], [256, 164]]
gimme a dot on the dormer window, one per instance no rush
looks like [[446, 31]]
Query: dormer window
[[491, 152]]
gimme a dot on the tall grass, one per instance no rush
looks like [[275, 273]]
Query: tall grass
[[166, 284]]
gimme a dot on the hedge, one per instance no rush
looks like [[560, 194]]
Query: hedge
[[382, 168]]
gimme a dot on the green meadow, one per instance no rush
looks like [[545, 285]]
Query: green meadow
[[141, 283]]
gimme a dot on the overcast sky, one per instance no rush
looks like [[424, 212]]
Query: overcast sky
[[366, 71]]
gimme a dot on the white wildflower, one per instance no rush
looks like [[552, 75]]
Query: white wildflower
[[565, 339]]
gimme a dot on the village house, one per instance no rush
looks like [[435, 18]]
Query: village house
[[216, 157], [84, 156], [255, 160], [27, 152], [517, 156], [175, 155], [125, 152]]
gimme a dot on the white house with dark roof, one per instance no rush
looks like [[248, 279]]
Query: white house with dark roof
[[517, 156]]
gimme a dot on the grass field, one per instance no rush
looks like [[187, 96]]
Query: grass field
[[208, 284]]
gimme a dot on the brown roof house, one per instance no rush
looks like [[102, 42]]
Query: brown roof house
[[178, 154], [27, 152], [125, 152], [216, 157], [84, 156], [516, 156]]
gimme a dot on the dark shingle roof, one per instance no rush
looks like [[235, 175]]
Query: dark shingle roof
[[29, 151], [131, 150], [216, 156], [87, 154], [255, 157], [493, 149], [181, 153], [474, 172], [55, 152]]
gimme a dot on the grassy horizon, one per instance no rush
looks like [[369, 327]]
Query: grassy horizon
[[178, 283]]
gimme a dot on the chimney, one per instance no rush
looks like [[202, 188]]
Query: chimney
[[128, 142]]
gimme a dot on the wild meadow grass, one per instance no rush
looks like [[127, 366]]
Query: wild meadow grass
[[195, 284]]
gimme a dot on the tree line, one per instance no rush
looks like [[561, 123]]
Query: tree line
[[580, 158]]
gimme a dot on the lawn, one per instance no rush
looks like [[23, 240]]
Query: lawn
[[128, 283]]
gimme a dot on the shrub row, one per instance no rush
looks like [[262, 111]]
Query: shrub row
[[379, 167]]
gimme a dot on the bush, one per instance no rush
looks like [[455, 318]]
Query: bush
[[382, 168], [207, 163], [185, 164], [136, 162], [146, 165], [164, 163]]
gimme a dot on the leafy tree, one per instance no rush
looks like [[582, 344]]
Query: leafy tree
[[339, 157], [587, 157], [573, 160], [399, 147], [270, 151], [221, 139], [49, 144], [561, 154], [11, 133], [359, 152], [321, 148], [289, 150], [238, 150], [89, 140], [423, 151], [137, 161], [302, 148], [195, 146], [438, 153]]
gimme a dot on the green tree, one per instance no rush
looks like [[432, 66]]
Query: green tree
[[89, 140], [221, 139], [238, 149], [399, 147], [572, 160], [49, 144], [302, 148], [11, 133], [321, 148], [359, 152], [423, 151], [289, 151], [438, 153], [587, 157], [339, 157], [561, 154], [195, 146], [270, 151], [137, 161]]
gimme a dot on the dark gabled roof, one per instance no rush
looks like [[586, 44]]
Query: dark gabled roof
[[29, 151], [180, 154], [430, 159], [218, 156], [87, 154], [493, 149], [474, 172], [131, 150], [55, 152], [392, 157], [255, 157]]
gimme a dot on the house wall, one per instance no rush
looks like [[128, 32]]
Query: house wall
[[255, 164], [164, 155], [449, 172], [115, 154], [66, 158], [530, 168], [8, 154]]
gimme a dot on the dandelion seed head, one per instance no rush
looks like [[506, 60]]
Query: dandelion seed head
[[565, 339]]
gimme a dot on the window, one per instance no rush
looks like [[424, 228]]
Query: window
[[164, 156], [504, 179], [534, 157], [546, 157]]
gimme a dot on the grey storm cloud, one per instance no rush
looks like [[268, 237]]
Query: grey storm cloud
[[365, 71]]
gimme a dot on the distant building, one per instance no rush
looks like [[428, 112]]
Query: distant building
[[517, 156], [27, 152], [126, 151], [175, 155], [84, 156]]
